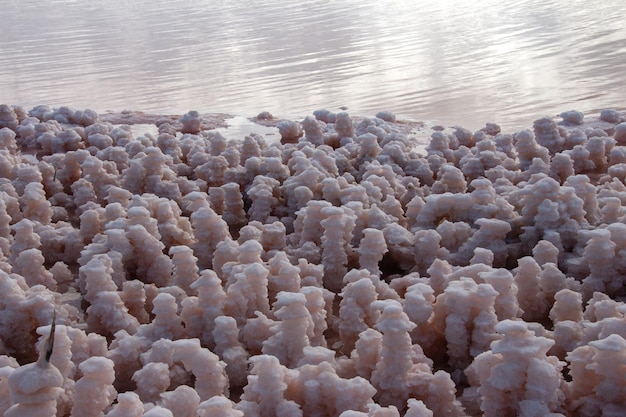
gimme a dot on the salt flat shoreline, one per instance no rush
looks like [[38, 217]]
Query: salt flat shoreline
[[417, 128], [343, 268], [210, 121]]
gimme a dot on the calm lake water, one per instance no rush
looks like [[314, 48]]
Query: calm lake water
[[446, 61]]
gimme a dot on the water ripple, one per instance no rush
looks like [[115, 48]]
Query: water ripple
[[451, 61]]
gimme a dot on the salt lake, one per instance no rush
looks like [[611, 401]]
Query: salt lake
[[447, 61]]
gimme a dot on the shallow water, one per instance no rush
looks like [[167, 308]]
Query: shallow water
[[445, 61]]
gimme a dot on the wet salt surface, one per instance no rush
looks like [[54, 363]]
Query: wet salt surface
[[448, 62], [236, 128], [239, 127]]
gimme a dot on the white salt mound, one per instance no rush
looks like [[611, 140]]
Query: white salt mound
[[338, 272]]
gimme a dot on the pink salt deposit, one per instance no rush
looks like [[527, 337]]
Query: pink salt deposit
[[347, 269]]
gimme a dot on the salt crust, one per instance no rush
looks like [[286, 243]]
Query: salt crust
[[338, 273]]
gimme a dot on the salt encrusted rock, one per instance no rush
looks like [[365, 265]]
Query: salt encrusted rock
[[580, 156], [191, 122], [527, 149], [369, 148], [67, 140], [303, 185], [603, 257], [7, 140], [96, 276], [102, 176], [562, 167], [10, 116], [519, 352], [506, 303], [567, 306], [599, 148], [417, 408], [30, 264], [234, 214], [610, 115], [98, 141], [453, 234], [264, 195], [128, 405], [528, 284], [63, 114], [24, 239], [265, 115], [485, 158], [320, 391], [283, 276], [185, 269], [265, 393], [325, 116], [160, 178], [355, 312], [213, 171], [94, 391], [125, 351], [313, 132], [218, 406], [620, 134], [133, 294], [225, 252], [289, 337], [169, 145], [439, 146], [548, 206], [449, 179], [23, 175], [199, 313], [403, 371], [166, 323], [344, 126], [572, 117], [251, 147], [182, 402], [252, 231], [216, 199], [174, 228], [617, 171], [371, 250], [596, 387], [230, 350], [338, 225], [427, 248], [387, 116], [469, 320], [418, 304], [289, 131], [248, 293], [209, 229], [567, 316], [490, 235], [158, 411], [316, 303], [186, 359], [152, 380], [273, 237], [60, 359], [8, 164], [107, 314]]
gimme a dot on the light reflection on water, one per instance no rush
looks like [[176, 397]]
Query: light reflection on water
[[466, 62]]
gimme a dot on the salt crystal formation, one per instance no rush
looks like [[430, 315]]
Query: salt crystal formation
[[339, 272]]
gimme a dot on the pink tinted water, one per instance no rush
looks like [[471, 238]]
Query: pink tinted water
[[447, 61]]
